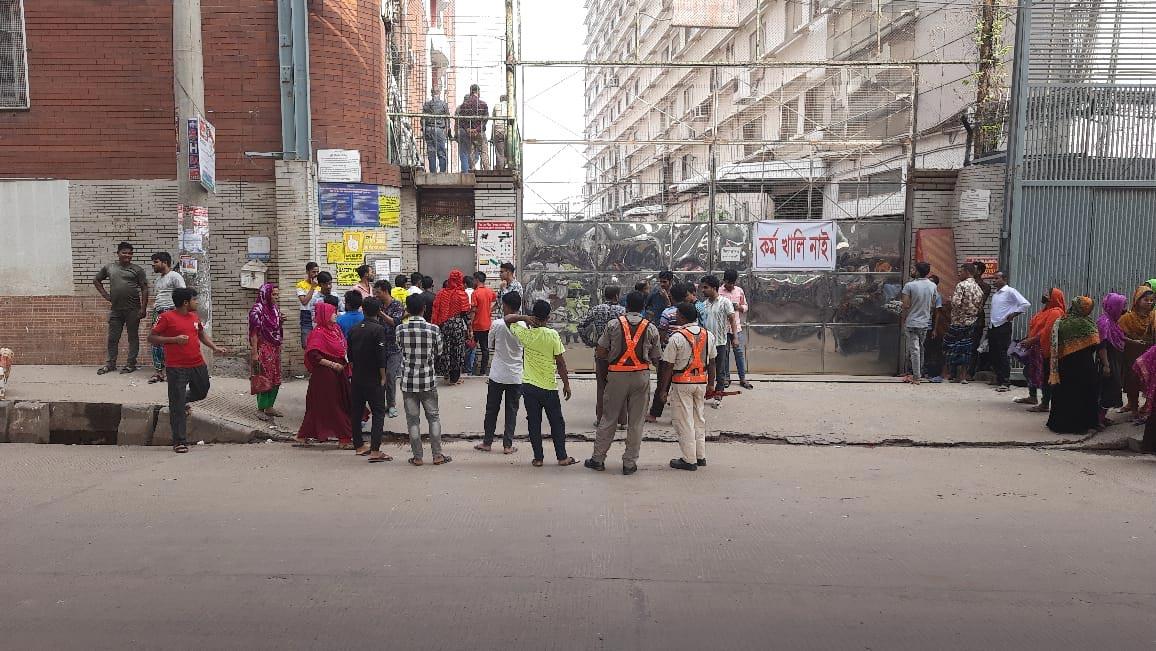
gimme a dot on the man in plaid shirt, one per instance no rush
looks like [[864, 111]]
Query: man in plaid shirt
[[420, 343], [594, 325]]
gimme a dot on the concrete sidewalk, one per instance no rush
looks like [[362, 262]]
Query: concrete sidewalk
[[859, 411]]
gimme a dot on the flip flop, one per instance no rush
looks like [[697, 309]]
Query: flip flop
[[568, 461], [155, 379], [414, 461], [128, 369], [105, 369], [363, 453], [180, 449], [444, 459], [510, 450], [380, 459], [481, 447], [537, 463]]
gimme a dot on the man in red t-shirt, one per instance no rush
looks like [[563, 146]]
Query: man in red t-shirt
[[181, 332], [482, 303]]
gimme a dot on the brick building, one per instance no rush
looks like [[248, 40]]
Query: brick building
[[88, 155]]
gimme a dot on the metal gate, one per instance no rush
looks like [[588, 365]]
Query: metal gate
[[1083, 147]]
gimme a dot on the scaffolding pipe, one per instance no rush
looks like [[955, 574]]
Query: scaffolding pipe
[[824, 63]]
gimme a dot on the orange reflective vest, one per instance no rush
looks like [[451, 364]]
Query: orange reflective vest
[[629, 360], [695, 371]]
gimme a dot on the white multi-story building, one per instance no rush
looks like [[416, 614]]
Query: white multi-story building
[[807, 141]]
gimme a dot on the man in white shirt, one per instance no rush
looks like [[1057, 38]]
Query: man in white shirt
[[414, 283], [168, 281], [505, 378], [1006, 305]]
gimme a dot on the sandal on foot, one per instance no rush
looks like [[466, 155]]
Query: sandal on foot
[[568, 461], [510, 450], [746, 385], [301, 443], [482, 447], [1026, 401], [105, 369], [273, 413], [416, 462], [383, 458], [362, 451], [442, 459], [181, 448], [156, 378], [1039, 409], [128, 369], [537, 463], [265, 417]]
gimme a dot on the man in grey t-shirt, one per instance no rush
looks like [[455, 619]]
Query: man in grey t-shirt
[[167, 281], [918, 301], [128, 297]]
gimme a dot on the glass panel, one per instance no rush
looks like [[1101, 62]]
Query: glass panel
[[864, 298], [861, 350], [634, 247], [558, 246], [691, 247], [790, 298], [733, 236], [784, 349], [869, 246]]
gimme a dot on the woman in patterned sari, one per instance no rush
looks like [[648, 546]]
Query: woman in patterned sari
[[266, 331], [1139, 326]]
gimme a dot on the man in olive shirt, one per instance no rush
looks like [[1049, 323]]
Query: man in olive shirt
[[128, 296], [630, 344]]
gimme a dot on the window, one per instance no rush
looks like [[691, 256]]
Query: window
[[752, 130], [874, 185], [789, 120], [753, 46], [13, 56], [813, 110]]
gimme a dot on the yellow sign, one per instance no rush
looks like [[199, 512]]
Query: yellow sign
[[334, 252], [347, 274], [354, 242], [389, 210], [375, 243]]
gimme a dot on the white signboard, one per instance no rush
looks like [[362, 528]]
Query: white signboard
[[731, 254], [794, 246], [705, 13], [974, 205], [339, 166], [495, 245]]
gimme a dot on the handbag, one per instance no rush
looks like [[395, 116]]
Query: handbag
[[259, 383]]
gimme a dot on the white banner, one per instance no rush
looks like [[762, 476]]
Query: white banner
[[339, 165], [794, 246], [705, 13]]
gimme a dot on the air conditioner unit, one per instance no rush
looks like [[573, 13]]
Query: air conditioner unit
[[701, 112]]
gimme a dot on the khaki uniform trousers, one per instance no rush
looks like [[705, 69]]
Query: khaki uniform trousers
[[688, 402], [629, 390]]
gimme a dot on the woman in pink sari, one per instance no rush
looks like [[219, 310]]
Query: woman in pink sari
[[327, 399]]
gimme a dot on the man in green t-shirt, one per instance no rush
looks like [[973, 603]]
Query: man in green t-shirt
[[542, 358], [128, 296]]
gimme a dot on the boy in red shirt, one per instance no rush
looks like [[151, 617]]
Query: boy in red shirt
[[482, 306], [181, 332]]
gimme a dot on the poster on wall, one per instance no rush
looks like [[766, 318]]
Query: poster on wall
[[347, 274], [348, 204], [495, 245], [192, 228], [794, 246], [389, 207], [339, 165], [203, 153]]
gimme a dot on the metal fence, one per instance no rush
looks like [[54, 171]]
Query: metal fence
[[1082, 206]]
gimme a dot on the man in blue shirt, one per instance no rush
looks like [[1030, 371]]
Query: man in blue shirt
[[352, 314]]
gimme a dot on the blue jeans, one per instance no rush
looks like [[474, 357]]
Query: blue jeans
[[721, 367], [538, 400], [306, 325], [464, 147], [737, 344], [435, 147]]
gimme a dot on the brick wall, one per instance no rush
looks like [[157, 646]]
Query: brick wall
[[242, 84], [980, 239], [348, 84], [144, 213], [101, 89]]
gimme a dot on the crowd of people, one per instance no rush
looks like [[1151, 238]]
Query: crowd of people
[[1078, 368]]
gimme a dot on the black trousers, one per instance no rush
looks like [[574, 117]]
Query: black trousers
[[998, 340], [497, 393], [482, 361], [540, 400], [185, 385], [361, 393]]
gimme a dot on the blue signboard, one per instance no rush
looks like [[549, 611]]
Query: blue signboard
[[348, 204]]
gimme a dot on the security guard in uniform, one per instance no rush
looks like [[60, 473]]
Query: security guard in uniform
[[630, 345], [686, 373]]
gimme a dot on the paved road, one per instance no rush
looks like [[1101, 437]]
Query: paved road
[[265, 546], [863, 412]]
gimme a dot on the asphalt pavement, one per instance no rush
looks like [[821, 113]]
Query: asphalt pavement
[[792, 547]]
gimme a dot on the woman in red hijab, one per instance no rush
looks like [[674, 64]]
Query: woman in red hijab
[[451, 313], [1039, 345], [327, 399]]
